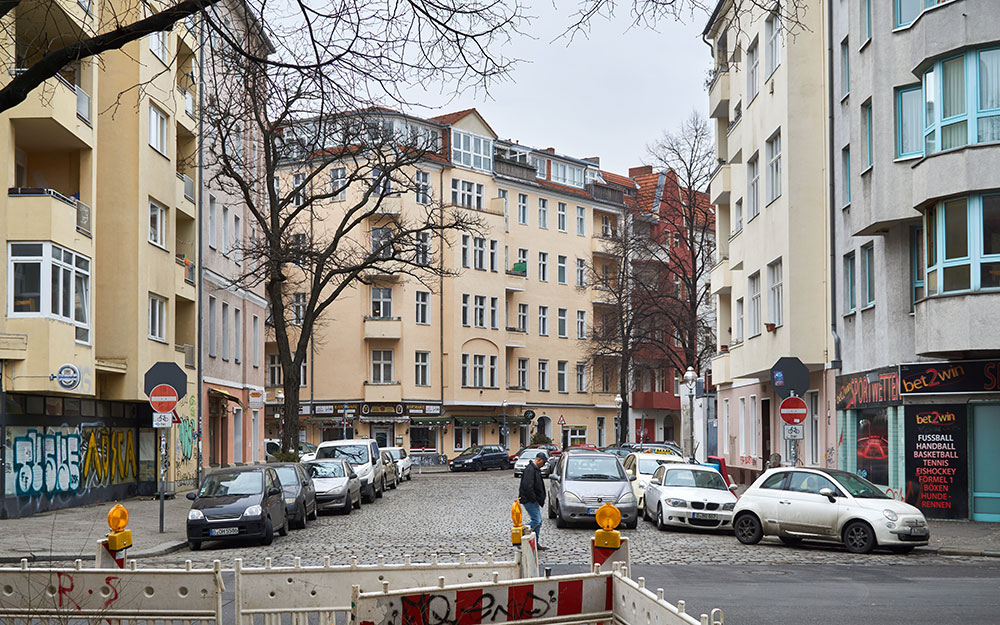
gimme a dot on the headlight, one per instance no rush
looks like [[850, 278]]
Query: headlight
[[289, 499], [627, 498], [572, 497], [252, 511], [729, 506], [677, 503], [889, 514], [195, 515]]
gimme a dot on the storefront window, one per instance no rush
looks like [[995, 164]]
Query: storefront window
[[873, 445], [423, 438]]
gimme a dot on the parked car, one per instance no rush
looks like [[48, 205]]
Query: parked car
[[403, 462], [552, 450], [660, 448], [237, 503], [480, 457], [272, 446], [641, 466], [299, 493], [829, 505], [621, 452], [391, 470], [364, 457], [337, 485], [529, 455], [582, 481], [689, 495]]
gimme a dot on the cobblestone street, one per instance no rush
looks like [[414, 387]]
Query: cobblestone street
[[469, 513]]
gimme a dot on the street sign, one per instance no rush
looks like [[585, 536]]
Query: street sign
[[165, 373], [793, 410], [163, 398], [162, 419], [176, 420], [529, 414], [794, 432], [562, 420], [788, 375]]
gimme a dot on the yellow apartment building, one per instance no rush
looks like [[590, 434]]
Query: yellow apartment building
[[439, 368], [771, 277]]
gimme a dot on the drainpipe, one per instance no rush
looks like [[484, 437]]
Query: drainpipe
[[835, 362], [201, 251], [441, 295]]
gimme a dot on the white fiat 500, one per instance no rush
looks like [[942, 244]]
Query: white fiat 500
[[830, 505], [689, 495]]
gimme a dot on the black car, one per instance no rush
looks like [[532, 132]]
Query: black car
[[237, 503], [479, 457], [299, 493], [621, 452]]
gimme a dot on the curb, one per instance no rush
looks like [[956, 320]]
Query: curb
[[160, 550], [959, 551]]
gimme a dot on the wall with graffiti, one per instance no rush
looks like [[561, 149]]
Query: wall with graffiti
[[184, 441]]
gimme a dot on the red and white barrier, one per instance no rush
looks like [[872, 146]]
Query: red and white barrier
[[605, 558]]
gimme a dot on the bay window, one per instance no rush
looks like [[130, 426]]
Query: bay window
[[961, 98], [962, 244], [52, 282], [472, 150]]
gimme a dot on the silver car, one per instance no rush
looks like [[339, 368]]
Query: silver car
[[529, 455], [337, 485], [583, 481]]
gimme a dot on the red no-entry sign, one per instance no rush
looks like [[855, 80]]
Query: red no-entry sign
[[793, 410], [163, 398]]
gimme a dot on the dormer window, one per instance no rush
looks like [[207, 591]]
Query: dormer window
[[541, 166], [472, 150]]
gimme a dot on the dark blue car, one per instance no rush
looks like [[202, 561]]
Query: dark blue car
[[479, 458]]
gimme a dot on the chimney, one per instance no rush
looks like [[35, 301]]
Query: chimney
[[643, 170], [550, 150]]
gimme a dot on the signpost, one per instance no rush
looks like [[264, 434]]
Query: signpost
[[793, 412], [165, 383], [794, 432], [789, 377]]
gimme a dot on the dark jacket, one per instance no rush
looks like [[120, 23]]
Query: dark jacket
[[532, 486]]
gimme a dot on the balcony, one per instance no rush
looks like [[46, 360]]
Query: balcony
[[383, 328], [46, 214], [383, 392], [513, 169], [956, 326], [188, 351], [718, 93], [185, 195], [184, 279], [602, 296], [653, 400], [55, 116], [185, 102], [722, 277], [606, 193], [603, 246], [720, 185], [720, 368], [391, 205]]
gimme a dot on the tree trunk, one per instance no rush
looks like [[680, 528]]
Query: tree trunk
[[290, 416]]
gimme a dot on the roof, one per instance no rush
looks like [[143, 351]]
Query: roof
[[450, 118], [712, 18], [622, 181]]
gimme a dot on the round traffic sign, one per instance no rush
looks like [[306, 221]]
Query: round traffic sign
[[163, 398], [793, 410]]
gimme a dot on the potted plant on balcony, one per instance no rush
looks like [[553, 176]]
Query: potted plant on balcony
[[769, 327]]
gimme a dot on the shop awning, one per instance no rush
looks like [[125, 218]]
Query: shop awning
[[427, 421], [474, 420], [383, 418], [224, 396], [515, 419]]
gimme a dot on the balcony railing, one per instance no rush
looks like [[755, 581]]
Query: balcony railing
[[606, 193], [188, 351], [82, 104], [189, 268], [83, 218], [83, 212], [189, 104], [188, 186], [513, 169]]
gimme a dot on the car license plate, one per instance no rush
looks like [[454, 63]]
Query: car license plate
[[704, 515], [918, 531], [591, 510], [224, 531]]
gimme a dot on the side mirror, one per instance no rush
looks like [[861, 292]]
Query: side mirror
[[734, 487], [554, 477], [655, 480], [305, 483], [273, 491], [828, 493], [632, 478], [192, 495]]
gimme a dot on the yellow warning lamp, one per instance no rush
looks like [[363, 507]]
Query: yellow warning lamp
[[518, 530], [118, 538], [608, 517]]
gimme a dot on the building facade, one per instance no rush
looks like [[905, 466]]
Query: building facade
[[916, 119], [768, 100]]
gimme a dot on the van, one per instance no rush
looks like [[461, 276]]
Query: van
[[364, 457]]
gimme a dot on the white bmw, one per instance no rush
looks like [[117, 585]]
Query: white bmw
[[689, 495]]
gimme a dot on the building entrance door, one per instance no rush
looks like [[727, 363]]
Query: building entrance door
[[765, 429], [237, 435], [986, 463], [382, 435]]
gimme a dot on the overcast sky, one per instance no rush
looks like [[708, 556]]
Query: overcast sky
[[608, 95]]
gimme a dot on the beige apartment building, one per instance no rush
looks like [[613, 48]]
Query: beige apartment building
[[771, 278], [438, 368]]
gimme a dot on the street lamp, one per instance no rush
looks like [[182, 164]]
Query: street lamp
[[689, 377], [618, 407], [279, 395], [503, 430]]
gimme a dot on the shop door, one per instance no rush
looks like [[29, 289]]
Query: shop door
[[986, 464], [237, 435], [765, 429], [382, 435]]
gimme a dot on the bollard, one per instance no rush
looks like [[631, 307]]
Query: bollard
[[111, 550]]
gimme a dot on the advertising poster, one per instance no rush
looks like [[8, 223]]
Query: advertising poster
[[873, 445], [937, 460]]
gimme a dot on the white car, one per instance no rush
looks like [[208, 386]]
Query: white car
[[641, 465], [689, 495], [364, 457], [404, 464], [272, 446], [829, 505]]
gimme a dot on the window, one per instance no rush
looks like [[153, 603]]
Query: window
[[298, 189], [774, 295], [423, 187], [381, 302], [543, 213], [423, 251], [211, 221], [465, 250], [157, 329], [753, 63], [561, 373], [157, 224], [471, 150], [273, 370], [845, 68], [493, 255], [522, 373], [753, 187], [867, 19], [561, 217], [567, 174], [225, 230], [561, 269], [753, 288], [541, 166], [772, 31], [493, 371], [382, 242], [561, 323], [909, 121], [812, 401], [522, 260], [46, 277], [581, 272], [845, 176], [581, 324], [225, 331], [298, 308], [739, 320], [423, 315], [950, 121], [581, 221], [577, 436], [868, 273], [607, 227], [478, 370], [543, 320], [465, 369], [421, 364], [774, 166], [338, 183], [381, 366], [479, 253], [522, 209], [255, 334], [212, 330], [522, 317], [467, 194], [237, 239], [850, 300], [479, 311], [459, 437], [465, 310], [581, 377], [543, 266], [742, 415], [543, 375], [494, 313], [917, 264], [752, 425], [158, 45], [867, 130]]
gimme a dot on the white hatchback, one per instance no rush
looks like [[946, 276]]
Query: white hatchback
[[825, 504], [403, 462]]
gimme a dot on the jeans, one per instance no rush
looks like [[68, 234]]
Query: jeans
[[535, 514]]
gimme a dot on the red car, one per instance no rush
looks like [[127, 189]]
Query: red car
[[584, 446], [551, 449]]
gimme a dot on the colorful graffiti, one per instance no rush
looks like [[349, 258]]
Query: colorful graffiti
[[72, 460], [185, 436]]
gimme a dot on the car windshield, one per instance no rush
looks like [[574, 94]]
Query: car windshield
[[288, 476], [594, 468], [232, 483], [647, 466], [858, 486], [471, 451], [530, 454], [695, 478], [394, 453], [326, 469], [306, 448], [354, 454]]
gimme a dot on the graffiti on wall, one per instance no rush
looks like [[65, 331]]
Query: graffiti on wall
[[185, 439], [72, 459]]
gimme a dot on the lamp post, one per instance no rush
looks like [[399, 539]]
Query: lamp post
[[689, 378], [280, 396], [618, 407], [503, 429]]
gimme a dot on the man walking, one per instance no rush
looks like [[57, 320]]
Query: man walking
[[532, 493]]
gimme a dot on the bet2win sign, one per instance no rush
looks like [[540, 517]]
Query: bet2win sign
[[937, 460]]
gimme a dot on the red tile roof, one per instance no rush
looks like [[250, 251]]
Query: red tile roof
[[622, 181], [450, 118]]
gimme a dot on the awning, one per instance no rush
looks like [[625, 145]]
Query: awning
[[474, 420], [223, 395], [383, 418], [515, 419], [427, 421]]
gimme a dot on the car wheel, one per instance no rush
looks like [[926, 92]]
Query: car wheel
[[748, 529], [347, 505], [357, 502], [660, 525], [560, 521], [368, 494], [268, 532], [409, 475], [859, 537], [902, 549], [633, 524], [790, 541], [395, 483], [315, 513], [380, 491], [300, 521], [194, 545], [477, 467]]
